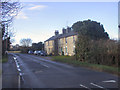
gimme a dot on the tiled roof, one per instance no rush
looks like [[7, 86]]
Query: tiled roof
[[62, 35], [54, 37], [68, 34]]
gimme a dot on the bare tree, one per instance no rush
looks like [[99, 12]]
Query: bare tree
[[8, 10], [26, 42]]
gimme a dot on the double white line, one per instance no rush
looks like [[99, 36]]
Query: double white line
[[19, 70], [93, 85], [96, 85], [83, 86]]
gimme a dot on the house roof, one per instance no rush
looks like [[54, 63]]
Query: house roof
[[53, 37], [62, 35], [68, 34]]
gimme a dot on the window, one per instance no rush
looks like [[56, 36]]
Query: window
[[66, 49], [73, 39], [61, 49], [49, 50], [48, 43], [74, 48], [52, 42], [66, 40]]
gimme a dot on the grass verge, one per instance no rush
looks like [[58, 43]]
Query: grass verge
[[14, 51], [4, 59], [72, 61]]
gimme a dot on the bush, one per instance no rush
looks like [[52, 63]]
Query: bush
[[101, 51]]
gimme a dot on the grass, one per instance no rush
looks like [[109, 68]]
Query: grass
[[14, 51], [72, 61], [4, 59]]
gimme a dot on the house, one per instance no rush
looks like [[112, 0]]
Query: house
[[51, 45], [66, 43], [61, 44]]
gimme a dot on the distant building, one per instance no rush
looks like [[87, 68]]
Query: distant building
[[61, 44], [14, 47]]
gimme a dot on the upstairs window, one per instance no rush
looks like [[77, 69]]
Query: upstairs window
[[66, 40], [48, 43], [73, 39]]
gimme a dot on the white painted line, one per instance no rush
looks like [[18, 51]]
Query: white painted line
[[19, 69], [19, 81], [110, 81], [46, 66], [38, 71], [18, 66], [83, 86], [14, 58], [96, 85], [21, 77]]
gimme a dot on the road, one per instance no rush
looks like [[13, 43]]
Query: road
[[29, 71]]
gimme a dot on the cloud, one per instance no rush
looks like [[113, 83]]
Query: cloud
[[21, 15], [37, 7]]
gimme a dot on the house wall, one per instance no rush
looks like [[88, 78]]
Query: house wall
[[67, 45], [49, 47]]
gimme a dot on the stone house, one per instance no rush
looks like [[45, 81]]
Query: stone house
[[51, 44], [61, 44]]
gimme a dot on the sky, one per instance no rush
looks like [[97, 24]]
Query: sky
[[39, 20]]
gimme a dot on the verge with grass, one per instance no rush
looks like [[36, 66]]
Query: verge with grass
[[71, 60], [4, 59]]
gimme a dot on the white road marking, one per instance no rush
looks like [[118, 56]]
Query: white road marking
[[19, 84], [83, 86], [96, 85], [14, 58], [19, 69], [21, 76], [110, 81], [46, 66], [18, 66], [38, 71]]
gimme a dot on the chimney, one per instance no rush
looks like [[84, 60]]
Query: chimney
[[64, 31], [56, 32], [68, 30]]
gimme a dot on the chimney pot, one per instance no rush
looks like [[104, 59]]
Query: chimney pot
[[56, 32]]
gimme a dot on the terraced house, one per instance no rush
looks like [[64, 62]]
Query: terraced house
[[61, 44]]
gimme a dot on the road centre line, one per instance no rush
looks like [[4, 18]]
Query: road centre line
[[41, 64], [83, 86], [46, 66], [109, 81], [96, 85]]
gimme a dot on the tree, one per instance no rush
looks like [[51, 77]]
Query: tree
[[37, 46], [26, 42], [82, 48], [91, 29], [90, 46], [8, 10]]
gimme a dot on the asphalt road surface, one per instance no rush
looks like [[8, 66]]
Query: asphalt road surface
[[29, 71]]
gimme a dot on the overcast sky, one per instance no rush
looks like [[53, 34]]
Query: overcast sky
[[39, 20]]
